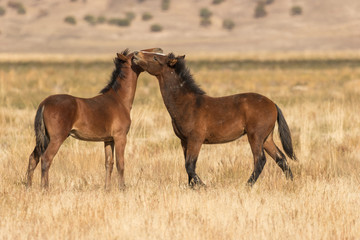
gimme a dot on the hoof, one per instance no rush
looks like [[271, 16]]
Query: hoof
[[250, 184], [122, 187], [197, 183]]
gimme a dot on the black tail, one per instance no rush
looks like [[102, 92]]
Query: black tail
[[42, 137], [285, 135]]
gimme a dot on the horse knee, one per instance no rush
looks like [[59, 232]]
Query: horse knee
[[109, 164]]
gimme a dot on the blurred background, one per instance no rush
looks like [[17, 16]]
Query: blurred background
[[188, 26], [302, 54]]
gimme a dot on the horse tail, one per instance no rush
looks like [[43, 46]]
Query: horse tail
[[42, 137], [285, 135]]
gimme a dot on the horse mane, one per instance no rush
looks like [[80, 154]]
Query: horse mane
[[113, 83], [184, 73]]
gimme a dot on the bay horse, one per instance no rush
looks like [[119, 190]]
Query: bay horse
[[200, 119], [105, 117]]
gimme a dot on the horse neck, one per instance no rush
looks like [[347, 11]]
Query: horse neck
[[174, 94], [126, 91]]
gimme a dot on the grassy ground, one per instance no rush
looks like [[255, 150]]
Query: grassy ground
[[320, 101]]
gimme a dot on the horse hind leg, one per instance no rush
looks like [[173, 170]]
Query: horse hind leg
[[279, 157], [259, 158], [33, 162], [46, 160]]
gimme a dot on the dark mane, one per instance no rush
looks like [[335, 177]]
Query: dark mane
[[185, 75], [119, 64]]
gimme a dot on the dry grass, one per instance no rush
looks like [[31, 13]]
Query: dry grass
[[320, 106]]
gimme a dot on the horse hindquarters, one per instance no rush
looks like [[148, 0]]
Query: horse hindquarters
[[53, 122], [46, 147]]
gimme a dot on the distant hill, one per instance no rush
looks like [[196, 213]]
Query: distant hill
[[323, 25]]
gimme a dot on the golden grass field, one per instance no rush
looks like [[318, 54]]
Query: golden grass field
[[320, 100]]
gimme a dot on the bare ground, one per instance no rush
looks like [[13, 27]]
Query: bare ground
[[325, 25]]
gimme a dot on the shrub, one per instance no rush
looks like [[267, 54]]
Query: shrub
[[228, 24], [146, 16], [205, 13], [260, 10], [156, 28], [217, 1], [165, 5], [130, 16], [101, 19], [42, 13], [296, 10], [90, 19], [70, 20], [18, 6], [14, 4], [205, 22], [2, 11], [21, 10], [119, 22]]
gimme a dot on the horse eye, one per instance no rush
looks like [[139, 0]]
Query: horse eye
[[155, 58]]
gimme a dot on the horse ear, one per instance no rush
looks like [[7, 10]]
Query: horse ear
[[121, 57], [158, 50], [172, 62], [181, 57]]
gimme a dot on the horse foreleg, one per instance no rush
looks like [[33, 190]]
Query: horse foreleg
[[33, 162], [191, 156], [184, 147], [109, 162], [120, 143]]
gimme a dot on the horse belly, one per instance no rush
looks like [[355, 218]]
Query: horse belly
[[89, 136], [224, 135]]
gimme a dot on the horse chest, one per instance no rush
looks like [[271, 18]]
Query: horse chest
[[179, 130]]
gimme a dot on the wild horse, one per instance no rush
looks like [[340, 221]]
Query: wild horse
[[200, 119], [105, 117]]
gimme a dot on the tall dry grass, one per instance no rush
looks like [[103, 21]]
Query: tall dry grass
[[319, 104]]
